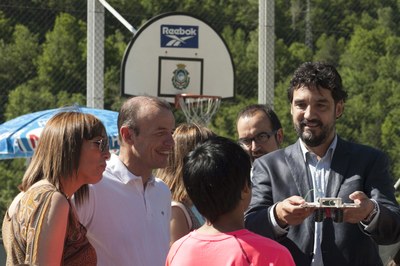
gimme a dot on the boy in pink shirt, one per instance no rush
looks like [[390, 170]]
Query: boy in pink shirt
[[217, 178]]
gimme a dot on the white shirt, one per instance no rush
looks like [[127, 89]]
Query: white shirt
[[127, 224], [319, 170]]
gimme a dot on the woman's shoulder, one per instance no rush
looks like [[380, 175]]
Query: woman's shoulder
[[178, 208], [59, 200], [11, 210], [42, 196], [43, 191]]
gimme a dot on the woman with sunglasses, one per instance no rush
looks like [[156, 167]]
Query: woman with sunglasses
[[41, 226]]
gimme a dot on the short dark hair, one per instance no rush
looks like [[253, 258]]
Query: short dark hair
[[214, 174], [320, 76], [128, 113], [250, 110]]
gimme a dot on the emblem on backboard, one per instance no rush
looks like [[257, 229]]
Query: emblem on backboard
[[181, 78]]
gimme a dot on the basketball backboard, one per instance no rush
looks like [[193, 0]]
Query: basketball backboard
[[177, 53]]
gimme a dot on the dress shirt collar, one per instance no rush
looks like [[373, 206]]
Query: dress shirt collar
[[330, 150], [122, 173]]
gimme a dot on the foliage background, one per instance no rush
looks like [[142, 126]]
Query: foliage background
[[43, 60]]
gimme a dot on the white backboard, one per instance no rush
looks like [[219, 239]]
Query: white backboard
[[177, 53]]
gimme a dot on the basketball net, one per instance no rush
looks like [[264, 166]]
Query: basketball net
[[198, 109]]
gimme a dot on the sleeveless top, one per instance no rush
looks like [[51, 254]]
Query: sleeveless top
[[193, 217], [22, 231]]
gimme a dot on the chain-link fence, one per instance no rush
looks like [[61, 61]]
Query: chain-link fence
[[47, 39], [44, 42], [43, 59]]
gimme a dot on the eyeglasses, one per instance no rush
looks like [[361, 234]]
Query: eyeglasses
[[103, 144], [260, 138]]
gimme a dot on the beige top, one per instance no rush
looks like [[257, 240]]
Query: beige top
[[193, 221], [22, 231]]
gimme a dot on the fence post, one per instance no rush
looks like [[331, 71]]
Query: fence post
[[266, 51], [95, 55]]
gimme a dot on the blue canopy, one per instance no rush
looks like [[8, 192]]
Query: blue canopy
[[19, 136]]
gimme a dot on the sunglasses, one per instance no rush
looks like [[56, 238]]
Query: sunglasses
[[102, 144]]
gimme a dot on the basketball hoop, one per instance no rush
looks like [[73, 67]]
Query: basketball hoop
[[198, 109]]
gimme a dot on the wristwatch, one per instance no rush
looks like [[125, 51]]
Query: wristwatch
[[372, 214]]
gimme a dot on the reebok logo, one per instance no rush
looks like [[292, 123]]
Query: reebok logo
[[179, 31], [179, 36]]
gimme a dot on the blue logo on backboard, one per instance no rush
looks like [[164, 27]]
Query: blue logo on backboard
[[179, 36]]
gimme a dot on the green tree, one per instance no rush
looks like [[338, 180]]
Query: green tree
[[11, 175], [114, 47], [43, 64], [362, 78], [246, 74], [391, 139], [329, 49], [62, 63], [33, 96], [224, 122], [371, 74], [29, 97], [17, 62], [6, 29]]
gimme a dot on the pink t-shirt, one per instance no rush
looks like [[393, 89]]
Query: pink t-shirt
[[240, 247]]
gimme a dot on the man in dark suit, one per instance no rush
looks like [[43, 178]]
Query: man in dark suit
[[321, 164]]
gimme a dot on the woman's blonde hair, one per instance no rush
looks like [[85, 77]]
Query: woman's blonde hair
[[58, 152], [186, 136]]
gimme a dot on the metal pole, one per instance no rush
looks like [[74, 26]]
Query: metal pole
[[118, 16], [95, 55], [266, 51], [309, 35], [396, 186]]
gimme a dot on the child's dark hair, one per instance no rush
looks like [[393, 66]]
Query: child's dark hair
[[214, 174]]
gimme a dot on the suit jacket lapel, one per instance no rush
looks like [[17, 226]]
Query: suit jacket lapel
[[300, 173], [339, 164]]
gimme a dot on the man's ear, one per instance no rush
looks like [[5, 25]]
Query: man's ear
[[246, 190], [245, 195], [279, 136], [339, 108], [126, 134]]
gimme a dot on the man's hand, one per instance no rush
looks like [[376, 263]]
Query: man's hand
[[355, 215], [291, 212]]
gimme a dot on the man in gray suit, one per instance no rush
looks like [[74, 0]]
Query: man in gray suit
[[321, 164]]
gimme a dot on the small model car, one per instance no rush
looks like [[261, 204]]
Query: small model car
[[329, 208]]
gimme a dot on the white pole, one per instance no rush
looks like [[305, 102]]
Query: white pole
[[266, 51], [95, 55], [118, 16], [309, 37], [396, 186]]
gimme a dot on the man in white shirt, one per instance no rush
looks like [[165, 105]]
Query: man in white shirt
[[128, 212]]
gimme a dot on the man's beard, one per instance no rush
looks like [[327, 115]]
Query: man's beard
[[308, 137]]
